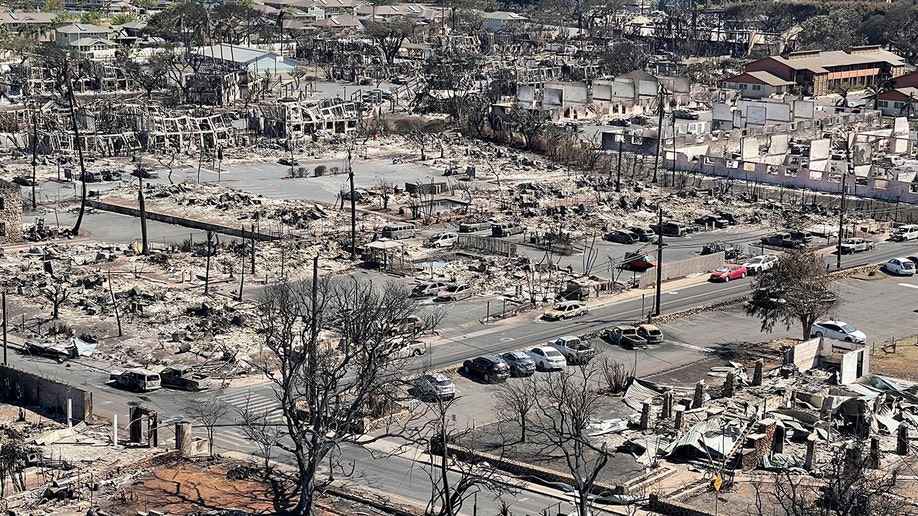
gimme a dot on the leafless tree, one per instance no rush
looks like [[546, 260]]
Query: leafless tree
[[209, 411], [57, 291], [260, 430], [385, 189], [166, 157], [796, 289], [517, 399], [329, 389], [453, 479], [848, 487], [567, 404], [14, 454]]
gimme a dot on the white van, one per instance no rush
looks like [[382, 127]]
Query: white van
[[398, 231], [439, 240], [905, 233]]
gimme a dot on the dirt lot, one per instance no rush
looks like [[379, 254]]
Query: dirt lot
[[898, 362]]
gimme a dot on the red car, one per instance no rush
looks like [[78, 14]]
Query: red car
[[728, 272], [639, 261]]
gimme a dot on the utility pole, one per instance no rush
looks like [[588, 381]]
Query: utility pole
[[350, 177], [618, 178], [4, 329], [841, 209], [145, 248], [656, 161], [659, 261], [34, 155]]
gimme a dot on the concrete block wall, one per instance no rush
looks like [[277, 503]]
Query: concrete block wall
[[805, 355], [46, 393], [673, 508], [682, 268]]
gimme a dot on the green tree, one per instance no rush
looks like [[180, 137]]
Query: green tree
[[91, 17], [835, 31], [796, 290], [122, 18], [390, 34]]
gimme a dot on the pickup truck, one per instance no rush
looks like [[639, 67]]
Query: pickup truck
[[783, 240], [625, 336], [184, 378], [856, 245], [575, 351]]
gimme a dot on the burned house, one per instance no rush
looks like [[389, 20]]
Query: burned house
[[10, 213]]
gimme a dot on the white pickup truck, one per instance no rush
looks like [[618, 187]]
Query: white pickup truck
[[574, 350]]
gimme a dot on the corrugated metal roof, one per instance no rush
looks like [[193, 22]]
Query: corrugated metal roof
[[821, 62]]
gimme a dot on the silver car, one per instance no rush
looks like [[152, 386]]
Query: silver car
[[435, 385]]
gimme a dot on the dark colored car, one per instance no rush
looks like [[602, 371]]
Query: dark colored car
[[490, 368], [521, 364], [712, 220], [620, 122], [640, 120], [622, 236]]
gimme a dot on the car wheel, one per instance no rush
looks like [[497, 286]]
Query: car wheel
[[743, 275], [726, 278], [465, 369], [486, 377], [416, 352], [819, 334], [848, 339]]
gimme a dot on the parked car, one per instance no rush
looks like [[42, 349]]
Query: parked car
[[575, 351], [141, 380], [410, 325], [643, 234], [712, 220], [487, 367], [290, 162], [760, 263], [804, 237], [620, 122], [439, 240], [728, 272], [729, 216], [731, 252], [639, 261], [184, 377], [547, 358], [838, 330], [782, 240], [434, 385], [428, 289], [455, 292], [521, 364], [651, 333], [900, 267], [905, 233], [565, 310], [621, 236], [409, 348], [472, 227], [506, 229], [856, 245], [59, 352], [640, 120], [686, 114], [625, 335]]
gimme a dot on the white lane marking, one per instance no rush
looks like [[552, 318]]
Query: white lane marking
[[693, 347], [909, 285]]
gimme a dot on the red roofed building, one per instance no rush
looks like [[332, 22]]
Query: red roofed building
[[818, 72]]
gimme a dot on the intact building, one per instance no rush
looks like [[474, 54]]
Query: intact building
[[817, 72]]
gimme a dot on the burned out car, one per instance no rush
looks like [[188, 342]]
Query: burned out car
[[183, 378], [625, 335]]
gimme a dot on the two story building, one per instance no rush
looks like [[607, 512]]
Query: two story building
[[816, 72]]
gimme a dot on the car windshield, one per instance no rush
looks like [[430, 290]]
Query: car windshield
[[553, 354], [722, 269], [847, 328], [756, 260]]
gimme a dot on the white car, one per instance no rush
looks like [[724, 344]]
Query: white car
[[565, 310], [441, 240], [547, 358], [900, 267], [838, 330], [435, 385], [760, 263]]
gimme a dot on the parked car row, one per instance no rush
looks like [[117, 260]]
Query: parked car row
[[631, 336], [442, 291], [181, 377]]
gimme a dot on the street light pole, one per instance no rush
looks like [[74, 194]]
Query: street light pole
[[841, 208], [659, 261]]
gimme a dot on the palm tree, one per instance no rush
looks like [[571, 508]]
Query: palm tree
[[907, 108]]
